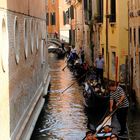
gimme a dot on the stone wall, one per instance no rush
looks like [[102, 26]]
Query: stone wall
[[23, 70]]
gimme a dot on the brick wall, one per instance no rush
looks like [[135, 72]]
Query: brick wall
[[24, 75]]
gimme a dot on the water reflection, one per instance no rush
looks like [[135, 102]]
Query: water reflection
[[63, 116]]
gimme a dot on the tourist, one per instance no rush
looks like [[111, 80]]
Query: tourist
[[89, 135]]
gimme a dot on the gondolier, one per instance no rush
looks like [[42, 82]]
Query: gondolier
[[118, 96]]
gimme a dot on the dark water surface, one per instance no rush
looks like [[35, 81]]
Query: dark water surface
[[134, 124], [63, 116]]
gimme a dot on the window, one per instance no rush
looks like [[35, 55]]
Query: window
[[37, 37], [67, 17], [100, 11], [32, 35], [42, 51], [25, 38], [64, 17], [4, 51], [47, 18], [134, 32], [130, 35], [113, 11], [113, 63], [102, 51], [53, 18], [72, 12], [73, 37], [85, 5], [90, 10]]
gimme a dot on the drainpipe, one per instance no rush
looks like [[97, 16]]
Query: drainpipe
[[107, 52]]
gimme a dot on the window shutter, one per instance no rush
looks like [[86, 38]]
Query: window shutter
[[64, 18], [113, 11], [72, 12]]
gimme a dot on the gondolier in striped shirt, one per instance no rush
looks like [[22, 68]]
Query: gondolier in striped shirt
[[118, 96]]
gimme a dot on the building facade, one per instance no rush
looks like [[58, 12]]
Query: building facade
[[134, 45], [24, 76], [52, 16], [64, 20], [113, 36], [58, 19]]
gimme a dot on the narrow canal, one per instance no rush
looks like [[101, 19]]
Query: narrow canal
[[63, 116]]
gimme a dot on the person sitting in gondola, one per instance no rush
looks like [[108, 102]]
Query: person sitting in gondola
[[105, 133], [107, 129], [89, 135]]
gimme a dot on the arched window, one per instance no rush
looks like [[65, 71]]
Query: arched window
[[32, 35], [37, 36], [16, 40], [26, 38], [42, 51], [4, 51]]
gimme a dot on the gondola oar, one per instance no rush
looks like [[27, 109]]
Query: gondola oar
[[108, 118], [105, 120], [74, 82]]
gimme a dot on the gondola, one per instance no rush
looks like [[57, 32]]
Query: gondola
[[79, 69], [95, 96], [61, 53], [109, 128]]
